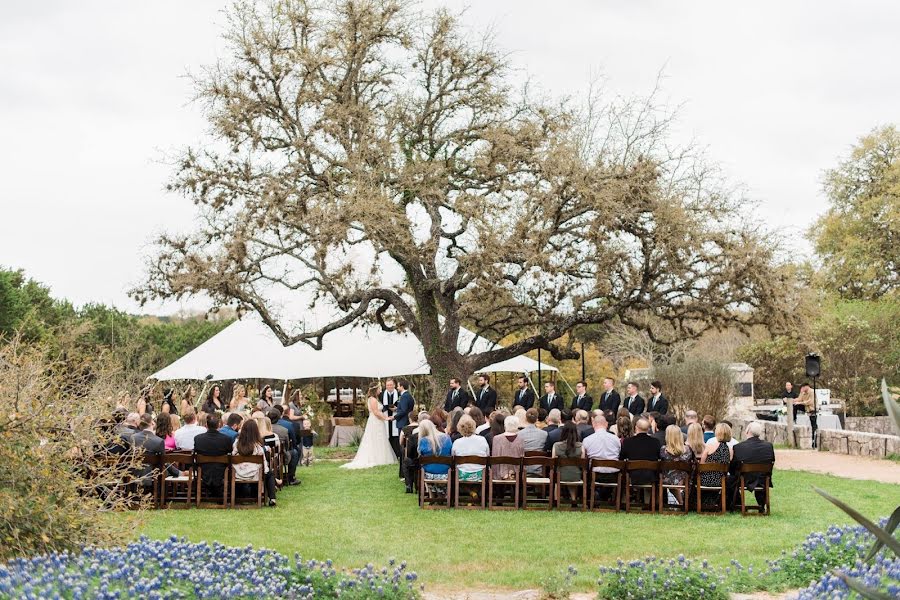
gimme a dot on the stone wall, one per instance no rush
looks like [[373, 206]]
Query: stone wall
[[855, 443], [882, 425], [859, 443]]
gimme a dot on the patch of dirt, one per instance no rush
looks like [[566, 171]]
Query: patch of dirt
[[842, 465], [494, 595]]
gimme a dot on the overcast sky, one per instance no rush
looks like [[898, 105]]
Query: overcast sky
[[92, 94]]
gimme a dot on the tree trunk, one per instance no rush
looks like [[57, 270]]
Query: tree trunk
[[444, 366]]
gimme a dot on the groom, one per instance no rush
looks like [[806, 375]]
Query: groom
[[401, 419]]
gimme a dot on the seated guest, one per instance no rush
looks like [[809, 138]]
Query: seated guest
[[675, 450], [582, 418], [640, 447], [716, 451], [656, 426], [709, 428], [453, 428], [270, 439], [542, 419], [469, 444], [553, 420], [695, 439], [601, 445], [532, 437], [555, 435], [144, 437], [439, 418], [291, 451], [184, 437], [213, 443], [433, 443], [520, 416], [689, 417], [624, 428], [753, 451], [129, 427], [481, 423], [249, 443], [568, 446], [508, 444], [732, 442], [410, 436], [164, 430], [233, 423], [497, 427], [622, 412]]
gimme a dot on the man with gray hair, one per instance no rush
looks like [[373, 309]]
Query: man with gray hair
[[690, 416], [753, 450]]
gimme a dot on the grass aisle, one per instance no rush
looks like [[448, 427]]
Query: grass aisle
[[357, 517]]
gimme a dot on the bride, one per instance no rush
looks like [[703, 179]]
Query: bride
[[375, 448]]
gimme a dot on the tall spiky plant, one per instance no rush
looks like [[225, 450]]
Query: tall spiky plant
[[883, 537]]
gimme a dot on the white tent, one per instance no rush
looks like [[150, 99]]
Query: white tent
[[247, 349]]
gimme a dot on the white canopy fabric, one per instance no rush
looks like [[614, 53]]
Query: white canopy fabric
[[247, 349]]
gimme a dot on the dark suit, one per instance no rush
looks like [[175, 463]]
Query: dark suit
[[524, 398], [152, 444], [751, 451], [661, 405], [486, 400], [636, 406], [661, 436], [548, 405], [610, 401], [585, 430], [582, 403], [461, 400], [640, 447], [553, 436], [213, 443], [401, 417]]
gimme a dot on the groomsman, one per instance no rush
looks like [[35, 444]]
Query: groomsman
[[633, 402], [610, 399], [524, 395], [581, 401], [658, 402], [486, 399], [456, 396], [551, 399]]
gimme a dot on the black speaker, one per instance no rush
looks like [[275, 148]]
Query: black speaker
[[813, 365]]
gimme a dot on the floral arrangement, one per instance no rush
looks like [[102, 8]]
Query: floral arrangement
[[176, 569]]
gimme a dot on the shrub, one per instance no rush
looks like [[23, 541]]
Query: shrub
[[700, 385], [657, 578], [176, 569], [558, 586]]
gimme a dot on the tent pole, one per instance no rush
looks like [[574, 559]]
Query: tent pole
[[583, 370], [566, 382], [540, 382]]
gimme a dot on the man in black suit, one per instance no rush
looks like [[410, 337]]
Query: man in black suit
[[633, 402], [144, 437], [657, 401], [401, 419], [551, 399], [524, 395], [582, 401], [556, 434], [610, 399], [753, 450], [486, 399], [456, 396], [213, 443], [641, 447]]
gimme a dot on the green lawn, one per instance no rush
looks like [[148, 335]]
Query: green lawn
[[354, 517]]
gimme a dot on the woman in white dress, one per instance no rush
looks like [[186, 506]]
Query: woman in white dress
[[375, 447]]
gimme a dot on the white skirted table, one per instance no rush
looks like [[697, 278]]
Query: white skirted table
[[345, 435], [825, 421]]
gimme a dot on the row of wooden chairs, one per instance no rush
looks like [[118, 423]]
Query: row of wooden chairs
[[187, 488], [537, 484]]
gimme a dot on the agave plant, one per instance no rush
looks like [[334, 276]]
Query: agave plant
[[883, 537]]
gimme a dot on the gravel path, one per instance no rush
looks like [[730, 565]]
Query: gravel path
[[851, 467]]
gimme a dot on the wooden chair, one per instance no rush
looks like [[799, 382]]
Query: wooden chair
[[685, 467], [641, 465], [435, 501], [482, 485], [185, 463], [598, 482], [255, 459], [542, 483], [201, 460], [722, 470], [764, 472], [153, 462], [514, 483], [581, 482]]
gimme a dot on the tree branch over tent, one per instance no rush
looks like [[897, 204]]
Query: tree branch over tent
[[379, 160]]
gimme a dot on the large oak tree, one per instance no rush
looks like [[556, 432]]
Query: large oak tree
[[384, 161]]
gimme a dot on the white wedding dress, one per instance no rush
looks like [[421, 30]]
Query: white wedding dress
[[374, 448]]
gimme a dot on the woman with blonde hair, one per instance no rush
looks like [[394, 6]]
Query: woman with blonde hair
[[716, 450], [433, 443], [695, 439], [238, 399], [375, 446], [675, 451]]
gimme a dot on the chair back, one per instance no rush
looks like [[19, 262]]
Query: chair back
[[712, 468], [180, 457], [641, 465], [529, 453], [571, 462], [756, 468], [436, 460], [202, 459], [538, 461], [471, 460], [606, 463], [676, 465], [152, 459], [256, 459], [513, 461]]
